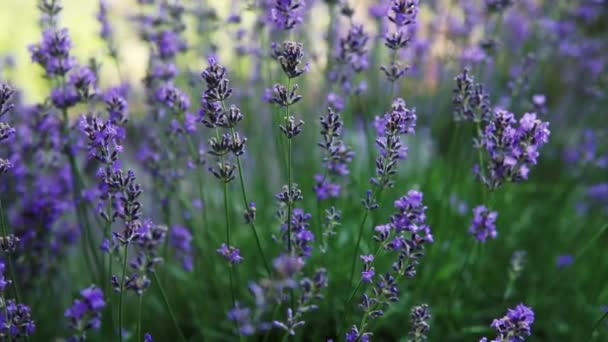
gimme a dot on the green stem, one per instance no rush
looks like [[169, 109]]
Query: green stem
[[357, 245], [246, 203], [168, 306], [122, 290], [139, 318], [597, 325]]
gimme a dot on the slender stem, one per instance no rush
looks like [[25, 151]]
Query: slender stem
[[289, 203], [357, 245], [597, 325], [227, 217], [359, 284], [246, 203], [168, 306], [122, 290], [139, 318]]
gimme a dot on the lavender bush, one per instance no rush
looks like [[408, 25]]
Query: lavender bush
[[290, 170]]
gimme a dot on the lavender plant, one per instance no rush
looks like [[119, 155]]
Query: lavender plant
[[112, 175]]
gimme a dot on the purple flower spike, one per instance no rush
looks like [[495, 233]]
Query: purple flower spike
[[515, 326], [85, 313], [484, 224]]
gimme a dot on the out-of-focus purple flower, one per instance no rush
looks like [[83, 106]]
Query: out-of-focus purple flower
[[231, 254], [516, 325], [564, 260], [181, 240], [403, 12], [85, 313], [324, 189], [286, 14], [102, 18], [3, 281], [420, 317], [288, 266], [483, 225], [53, 52], [470, 100], [168, 44], [173, 98], [242, 318], [148, 337], [598, 194], [64, 97]]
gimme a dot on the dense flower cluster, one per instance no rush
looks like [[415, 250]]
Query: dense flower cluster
[[336, 158], [512, 146], [515, 326], [389, 129], [15, 318], [71, 204], [470, 100], [420, 317]]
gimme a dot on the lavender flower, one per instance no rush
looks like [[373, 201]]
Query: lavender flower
[[102, 17], [368, 270], [337, 155], [351, 59], [53, 52], [403, 15], [231, 254], [15, 318], [289, 54], [404, 236], [242, 317], [564, 260], [181, 240], [512, 149], [470, 100], [483, 225], [515, 326], [286, 14], [420, 317], [400, 120], [85, 313], [324, 189], [301, 236]]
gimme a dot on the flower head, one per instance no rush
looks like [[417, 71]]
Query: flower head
[[483, 225]]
